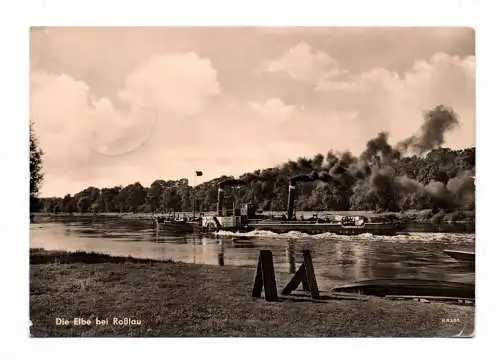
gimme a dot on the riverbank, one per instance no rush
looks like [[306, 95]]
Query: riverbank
[[154, 298], [459, 221], [410, 215]]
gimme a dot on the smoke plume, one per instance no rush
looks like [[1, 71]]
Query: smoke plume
[[379, 151], [378, 178], [436, 123]]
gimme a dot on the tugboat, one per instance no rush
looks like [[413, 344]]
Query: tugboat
[[245, 219]]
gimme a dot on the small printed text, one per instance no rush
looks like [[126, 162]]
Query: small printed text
[[114, 321], [450, 320]]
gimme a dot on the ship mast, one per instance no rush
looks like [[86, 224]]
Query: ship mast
[[194, 197], [196, 174]]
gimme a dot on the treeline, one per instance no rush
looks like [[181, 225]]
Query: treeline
[[380, 179]]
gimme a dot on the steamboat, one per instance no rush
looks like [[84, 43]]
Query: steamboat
[[245, 219]]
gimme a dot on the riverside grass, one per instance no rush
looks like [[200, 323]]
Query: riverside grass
[[168, 299]]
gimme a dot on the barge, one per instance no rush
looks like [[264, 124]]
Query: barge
[[346, 226], [244, 219], [173, 224]]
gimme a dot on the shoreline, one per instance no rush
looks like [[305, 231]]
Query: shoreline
[[416, 221], [170, 299]]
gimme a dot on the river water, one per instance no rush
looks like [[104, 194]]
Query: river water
[[337, 260]]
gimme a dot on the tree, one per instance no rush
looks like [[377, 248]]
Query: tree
[[84, 203], [36, 175], [171, 199], [86, 198], [108, 199], [68, 204], [137, 196], [131, 197], [155, 194]]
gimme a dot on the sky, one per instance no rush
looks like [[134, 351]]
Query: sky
[[112, 106]]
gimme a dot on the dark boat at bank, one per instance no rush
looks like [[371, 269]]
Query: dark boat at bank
[[410, 287], [245, 219], [467, 256]]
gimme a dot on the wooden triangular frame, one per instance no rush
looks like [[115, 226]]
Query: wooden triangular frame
[[305, 275], [265, 278]]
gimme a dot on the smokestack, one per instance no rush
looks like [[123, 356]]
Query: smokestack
[[220, 201], [291, 199]]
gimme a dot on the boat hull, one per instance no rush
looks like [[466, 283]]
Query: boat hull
[[461, 255], [388, 229], [409, 287], [177, 226]]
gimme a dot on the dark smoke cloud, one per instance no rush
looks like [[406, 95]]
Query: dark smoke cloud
[[463, 188], [375, 170], [436, 123], [379, 151], [302, 178], [322, 176], [342, 164], [440, 196], [313, 176], [458, 192], [248, 178], [231, 182], [409, 185], [331, 159], [383, 184]]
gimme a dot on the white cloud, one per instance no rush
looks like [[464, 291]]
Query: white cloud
[[397, 102], [78, 132], [179, 83], [274, 109], [303, 64], [388, 100]]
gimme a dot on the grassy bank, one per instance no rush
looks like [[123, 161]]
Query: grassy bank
[[176, 299], [40, 256]]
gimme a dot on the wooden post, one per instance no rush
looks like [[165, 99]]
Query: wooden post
[[220, 257], [297, 278], [305, 283], [304, 275], [311, 285], [264, 277]]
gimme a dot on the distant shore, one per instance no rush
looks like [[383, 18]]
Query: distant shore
[[81, 294], [416, 220]]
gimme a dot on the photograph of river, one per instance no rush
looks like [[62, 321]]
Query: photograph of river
[[252, 182]]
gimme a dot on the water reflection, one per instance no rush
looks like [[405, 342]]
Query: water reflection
[[243, 243], [290, 255], [337, 260], [220, 255]]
